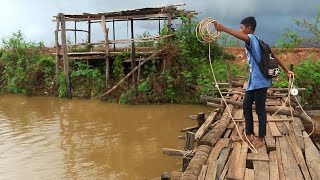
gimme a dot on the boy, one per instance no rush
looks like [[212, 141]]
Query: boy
[[257, 83]]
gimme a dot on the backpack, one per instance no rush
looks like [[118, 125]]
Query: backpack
[[268, 65]]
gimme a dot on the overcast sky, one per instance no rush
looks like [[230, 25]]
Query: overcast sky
[[34, 17]]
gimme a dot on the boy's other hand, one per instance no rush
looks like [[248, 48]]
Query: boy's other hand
[[290, 73]]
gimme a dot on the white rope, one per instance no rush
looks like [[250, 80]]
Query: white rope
[[204, 30], [288, 99]]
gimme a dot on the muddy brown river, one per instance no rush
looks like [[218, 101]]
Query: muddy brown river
[[52, 138]]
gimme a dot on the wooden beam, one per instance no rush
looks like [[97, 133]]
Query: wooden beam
[[205, 126]]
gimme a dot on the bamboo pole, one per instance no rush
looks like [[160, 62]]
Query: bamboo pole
[[65, 55]]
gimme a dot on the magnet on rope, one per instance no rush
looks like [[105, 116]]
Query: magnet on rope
[[294, 91]]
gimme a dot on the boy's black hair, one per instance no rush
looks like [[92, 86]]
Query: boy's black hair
[[250, 21]]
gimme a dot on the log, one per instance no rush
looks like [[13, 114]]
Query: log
[[214, 134], [196, 163], [205, 144]]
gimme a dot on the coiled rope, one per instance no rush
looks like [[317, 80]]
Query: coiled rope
[[288, 99], [204, 34]]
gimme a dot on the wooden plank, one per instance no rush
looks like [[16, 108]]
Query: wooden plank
[[261, 168], [211, 170], [257, 157], [299, 156], [297, 129], [225, 170], [290, 165], [223, 158], [238, 114], [249, 175], [273, 164], [204, 127], [215, 152], [274, 129], [203, 172], [312, 157], [238, 161], [270, 140], [279, 160], [234, 158], [242, 161], [227, 134], [281, 126]]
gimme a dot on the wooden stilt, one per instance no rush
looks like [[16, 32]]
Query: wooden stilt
[[57, 45], [133, 58], [229, 74], [65, 55]]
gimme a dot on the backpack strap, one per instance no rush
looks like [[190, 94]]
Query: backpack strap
[[248, 49]]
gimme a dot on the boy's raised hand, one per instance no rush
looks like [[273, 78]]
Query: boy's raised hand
[[218, 26]]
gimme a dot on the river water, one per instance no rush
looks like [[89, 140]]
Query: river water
[[52, 138]]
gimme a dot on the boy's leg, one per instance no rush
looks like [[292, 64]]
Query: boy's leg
[[260, 96], [247, 111]]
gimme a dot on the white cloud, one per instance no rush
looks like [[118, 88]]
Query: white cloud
[[34, 17]]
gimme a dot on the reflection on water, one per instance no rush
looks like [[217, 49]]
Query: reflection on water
[[51, 138]]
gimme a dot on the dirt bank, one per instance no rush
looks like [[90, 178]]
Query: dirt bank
[[292, 56]]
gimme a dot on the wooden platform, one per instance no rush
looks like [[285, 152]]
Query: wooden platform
[[284, 155]]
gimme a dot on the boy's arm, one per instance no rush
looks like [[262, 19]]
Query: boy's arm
[[238, 34], [284, 67]]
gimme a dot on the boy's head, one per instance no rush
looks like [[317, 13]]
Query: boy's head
[[248, 25]]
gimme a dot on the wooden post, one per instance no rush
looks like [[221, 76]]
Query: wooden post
[[229, 74], [165, 176], [189, 145], [57, 45], [89, 32], [133, 58], [201, 118], [75, 35], [159, 27], [189, 21], [106, 43], [169, 23], [139, 72], [65, 55], [114, 34]]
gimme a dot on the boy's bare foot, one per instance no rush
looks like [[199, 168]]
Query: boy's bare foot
[[244, 137]]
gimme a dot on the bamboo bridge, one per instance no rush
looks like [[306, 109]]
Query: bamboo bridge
[[209, 153]]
